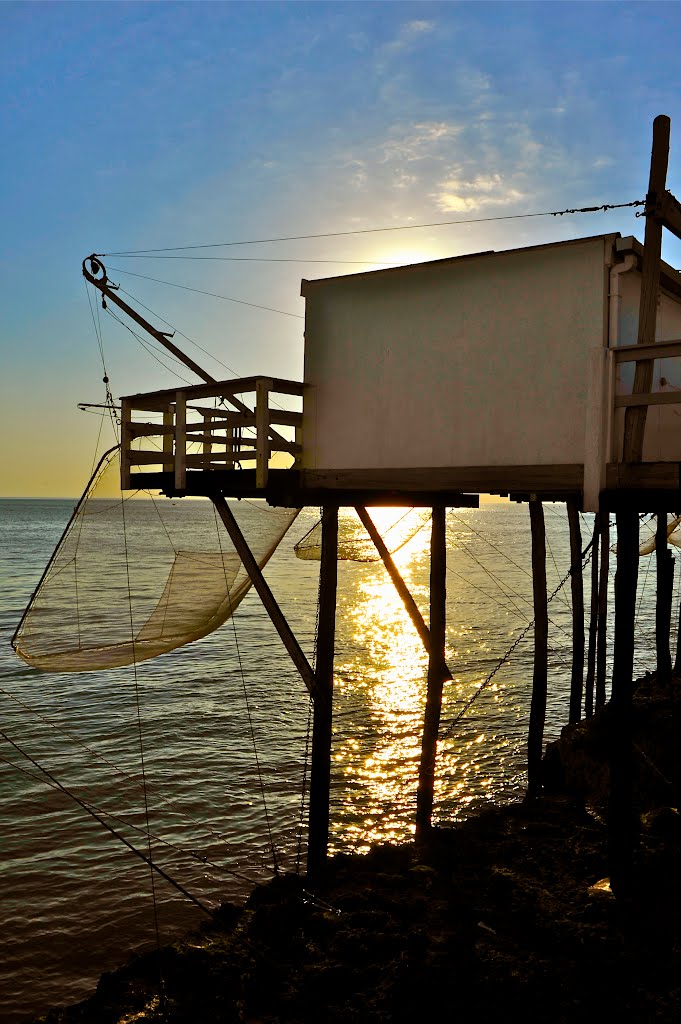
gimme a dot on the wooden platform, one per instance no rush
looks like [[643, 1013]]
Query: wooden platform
[[646, 487]]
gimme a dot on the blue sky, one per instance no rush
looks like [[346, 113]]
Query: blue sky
[[137, 125]]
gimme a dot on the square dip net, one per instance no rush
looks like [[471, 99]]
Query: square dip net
[[137, 575]]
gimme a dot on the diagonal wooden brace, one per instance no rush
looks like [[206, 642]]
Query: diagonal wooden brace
[[266, 596]]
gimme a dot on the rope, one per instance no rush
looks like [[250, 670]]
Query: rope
[[141, 748], [371, 231], [166, 801], [202, 858], [89, 810], [275, 862], [201, 291], [148, 348], [483, 686]]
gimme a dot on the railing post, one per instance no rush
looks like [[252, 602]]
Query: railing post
[[206, 447], [180, 441], [229, 448], [262, 451], [126, 417]]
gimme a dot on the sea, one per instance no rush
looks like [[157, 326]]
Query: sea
[[200, 758]]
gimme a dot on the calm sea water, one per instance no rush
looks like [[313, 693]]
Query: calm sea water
[[224, 723]]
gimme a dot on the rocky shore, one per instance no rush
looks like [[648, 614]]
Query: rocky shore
[[500, 916]]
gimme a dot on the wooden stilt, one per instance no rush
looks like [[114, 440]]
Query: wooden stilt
[[593, 624], [398, 582], [320, 768], [535, 735], [635, 416], [266, 596], [663, 607], [602, 635], [621, 823], [577, 586], [436, 672]]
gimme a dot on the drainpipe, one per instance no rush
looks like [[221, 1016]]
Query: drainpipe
[[600, 398], [630, 262], [627, 264]]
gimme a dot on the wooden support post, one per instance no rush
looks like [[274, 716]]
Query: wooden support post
[[577, 587], [593, 623], [635, 416], [437, 672], [535, 734], [621, 824], [320, 766], [168, 421], [266, 596], [398, 582], [663, 607], [602, 636], [180, 441]]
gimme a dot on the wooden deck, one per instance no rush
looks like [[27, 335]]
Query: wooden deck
[[186, 446]]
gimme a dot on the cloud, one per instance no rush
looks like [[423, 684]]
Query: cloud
[[408, 34], [458, 195], [416, 28], [420, 142]]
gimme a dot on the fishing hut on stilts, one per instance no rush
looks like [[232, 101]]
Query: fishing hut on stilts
[[538, 373]]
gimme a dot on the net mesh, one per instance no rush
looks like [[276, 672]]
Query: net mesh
[[648, 545], [138, 576], [354, 545]]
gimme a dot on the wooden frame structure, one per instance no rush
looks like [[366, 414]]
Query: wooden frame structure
[[231, 449]]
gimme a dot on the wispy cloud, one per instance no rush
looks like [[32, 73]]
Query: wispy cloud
[[460, 195], [409, 33], [418, 142]]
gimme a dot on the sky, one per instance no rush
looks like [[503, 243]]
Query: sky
[[131, 126]]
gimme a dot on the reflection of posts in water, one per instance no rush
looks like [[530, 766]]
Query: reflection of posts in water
[[535, 732], [320, 766], [621, 824], [437, 671]]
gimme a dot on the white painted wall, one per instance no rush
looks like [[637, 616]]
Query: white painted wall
[[477, 361]]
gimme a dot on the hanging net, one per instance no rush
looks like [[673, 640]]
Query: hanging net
[[648, 545], [136, 576], [354, 545]]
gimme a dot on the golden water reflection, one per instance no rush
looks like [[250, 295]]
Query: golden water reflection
[[381, 668]]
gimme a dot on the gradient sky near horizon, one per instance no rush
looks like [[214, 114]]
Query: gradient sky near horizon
[[142, 125]]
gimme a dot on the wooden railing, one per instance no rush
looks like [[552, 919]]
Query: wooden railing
[[226, 436], [648, 353]]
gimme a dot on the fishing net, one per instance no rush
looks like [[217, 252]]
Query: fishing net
[[648, 545], [136, 576], [354, 545]]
